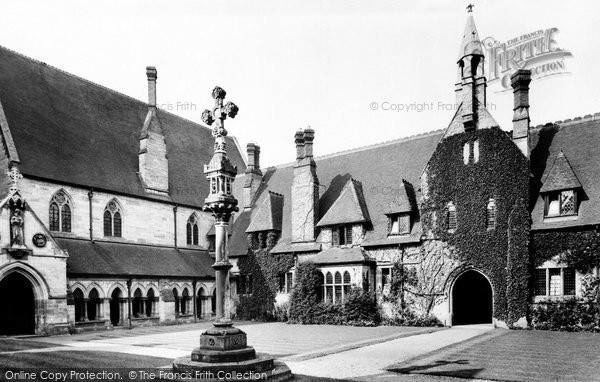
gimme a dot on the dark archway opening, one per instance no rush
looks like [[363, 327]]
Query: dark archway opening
[[18, 313], [115, 307], [471, 299]]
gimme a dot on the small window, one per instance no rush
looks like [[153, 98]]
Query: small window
[[112, 219], [386, 277], [342, 235], [563, 203], [476, 151], [285, 282], [399, 224], [555, 282], [245, 284], [466, 152], [451, 220], [491, 214], [191, 229]]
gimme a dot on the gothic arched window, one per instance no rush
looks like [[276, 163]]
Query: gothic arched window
[[192, 230], [60, 212], [112, 219]]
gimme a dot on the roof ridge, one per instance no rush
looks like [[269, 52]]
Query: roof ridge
[[570, 121], [367, 147], [97, 84]]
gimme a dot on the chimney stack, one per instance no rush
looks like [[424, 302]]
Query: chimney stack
[[253, 176], [152, 76], [152, 156], [305, 189], [520, 81]]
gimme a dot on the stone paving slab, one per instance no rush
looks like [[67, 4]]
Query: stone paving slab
[[515, 356], [369, 363], [277, 339]]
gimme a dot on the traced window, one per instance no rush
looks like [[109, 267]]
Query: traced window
[[562, 203], [60, 212], [399, 224], [451, 217], [192, 230], [554, 282], [491, 214], [337, 286], [112, 219]]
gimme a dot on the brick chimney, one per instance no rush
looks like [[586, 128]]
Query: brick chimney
[[520, 81], [253, 176], [305, 188], [153, 162]]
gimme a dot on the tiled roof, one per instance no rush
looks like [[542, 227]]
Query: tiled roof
[[341, 255], [121, 259], [404, 200], [70, 130], [561, 176], [349, 207], [268, 216], [380, 168], [579, 139]]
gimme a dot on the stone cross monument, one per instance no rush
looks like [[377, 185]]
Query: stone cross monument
[[223, 349]]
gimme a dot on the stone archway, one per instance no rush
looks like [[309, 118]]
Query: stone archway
[[472, 299], [18, 299], [115, 307]]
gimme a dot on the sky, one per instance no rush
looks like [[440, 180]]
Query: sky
[[348, 69]]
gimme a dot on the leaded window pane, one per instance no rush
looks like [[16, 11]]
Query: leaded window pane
[[66, 218], [553, 205], [555, 282], [195, 234], [107, 223], [569, 281], [395, 225], [491, 215], [346, 277], [54, 217], [289, 282], [338, 278], [329, 278], [338, 293], [567, 202], [117, 224], [348, 234], [329, 294], [188, 233], [540, 282]]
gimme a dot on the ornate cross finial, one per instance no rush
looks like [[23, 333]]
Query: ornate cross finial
[[470, 8], [15, 175], [219, 113]]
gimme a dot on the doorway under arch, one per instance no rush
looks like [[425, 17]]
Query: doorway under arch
[[115, 307], [472, 299], [17, 292]]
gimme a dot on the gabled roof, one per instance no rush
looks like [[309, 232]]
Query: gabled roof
[[121, 259], [561, 176], [268, 215], [404, 159], [67, 129], [404, 200], [579, 139], [349, 207]]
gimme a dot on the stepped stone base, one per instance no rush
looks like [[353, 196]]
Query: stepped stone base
[[261, 368]]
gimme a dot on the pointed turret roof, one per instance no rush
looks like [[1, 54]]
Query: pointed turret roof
[[350, 207], [470, 44], [561, 176]]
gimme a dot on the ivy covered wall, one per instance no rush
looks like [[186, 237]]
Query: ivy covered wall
[[265, 270], [501, 173]]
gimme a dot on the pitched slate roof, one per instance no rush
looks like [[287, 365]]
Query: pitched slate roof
[[380, 168], [341, 255], [579, 139], [561, 175], [349, 207], [70, 130], [404, 200], [121, 259], [268, 215]]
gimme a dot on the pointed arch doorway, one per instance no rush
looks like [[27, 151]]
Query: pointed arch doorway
[[18, 298], [472, 299]]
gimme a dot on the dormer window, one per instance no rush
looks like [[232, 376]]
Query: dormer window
[[561, 203], [341, 235], [399, 224]]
